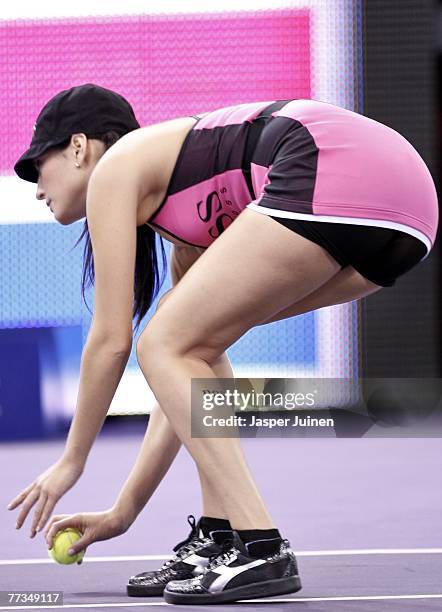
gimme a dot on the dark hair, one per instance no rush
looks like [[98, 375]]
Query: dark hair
[[147, 279]]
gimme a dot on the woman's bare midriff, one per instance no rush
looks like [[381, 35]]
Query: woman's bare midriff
[[167, 148]]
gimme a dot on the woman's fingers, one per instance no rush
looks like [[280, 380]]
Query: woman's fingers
[[54, 519], [58, 525], [20, 497], [27, 505], [38, 511], [92, 526], [80, 545], [46, 513]]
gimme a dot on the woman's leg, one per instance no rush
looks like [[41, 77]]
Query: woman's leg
[[254, 270], [345, 286], [212, 503]]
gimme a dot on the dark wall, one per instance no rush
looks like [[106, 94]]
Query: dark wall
[[401, 324]]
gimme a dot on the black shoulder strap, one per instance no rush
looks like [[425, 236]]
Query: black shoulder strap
[[253, 134]]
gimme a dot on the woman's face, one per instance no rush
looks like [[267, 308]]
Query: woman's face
[[62, 183]]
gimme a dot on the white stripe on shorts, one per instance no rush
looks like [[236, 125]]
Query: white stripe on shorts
[[275, 212]]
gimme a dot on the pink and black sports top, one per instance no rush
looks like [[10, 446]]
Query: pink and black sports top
[[303, 159]]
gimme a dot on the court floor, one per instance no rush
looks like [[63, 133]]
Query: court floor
[[362, 515]]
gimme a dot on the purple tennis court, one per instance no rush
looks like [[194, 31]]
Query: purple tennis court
[[363, 516]]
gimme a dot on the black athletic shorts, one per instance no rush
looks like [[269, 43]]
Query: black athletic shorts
[[380, 254]]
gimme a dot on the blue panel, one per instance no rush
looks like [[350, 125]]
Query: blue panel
[[20, 401], [40, 277], [291, 341]]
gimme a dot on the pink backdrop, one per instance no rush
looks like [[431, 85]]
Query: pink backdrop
[[166, 66]]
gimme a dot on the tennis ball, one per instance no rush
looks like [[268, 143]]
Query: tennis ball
[[61, 543]]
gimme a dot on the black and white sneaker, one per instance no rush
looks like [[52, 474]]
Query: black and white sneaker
[[234, 575], [192, 557]]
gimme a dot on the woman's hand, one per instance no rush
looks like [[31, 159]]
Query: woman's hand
[[94, 526], [45, 491]]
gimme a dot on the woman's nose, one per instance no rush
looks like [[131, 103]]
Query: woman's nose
[[40, 193]]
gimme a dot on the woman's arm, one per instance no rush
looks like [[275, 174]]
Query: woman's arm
[[102, 367], [181, 259], [111, 209], [158, 450]]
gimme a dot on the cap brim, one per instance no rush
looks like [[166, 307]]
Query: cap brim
[[24, 166]]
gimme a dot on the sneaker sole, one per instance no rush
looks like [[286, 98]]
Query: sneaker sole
[[138, 590], [269, 588]]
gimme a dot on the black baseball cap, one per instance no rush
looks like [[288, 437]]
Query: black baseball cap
[[87, 108]]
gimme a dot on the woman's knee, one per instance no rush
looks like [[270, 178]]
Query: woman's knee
[[151, 346], [158, 345], [146, 338]]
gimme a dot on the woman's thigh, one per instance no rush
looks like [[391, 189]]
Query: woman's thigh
[[254, 270], [345, 286]]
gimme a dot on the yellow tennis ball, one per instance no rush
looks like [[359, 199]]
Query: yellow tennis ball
[[61, 543]]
